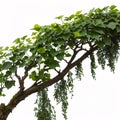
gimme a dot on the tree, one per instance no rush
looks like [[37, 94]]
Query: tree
[[53, 55]]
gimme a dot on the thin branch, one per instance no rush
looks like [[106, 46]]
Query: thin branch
[[17, 76], [21, 82], [65, 60], [57, 71], [27, 69]]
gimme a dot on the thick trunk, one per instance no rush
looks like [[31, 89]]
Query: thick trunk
[[3, 115]]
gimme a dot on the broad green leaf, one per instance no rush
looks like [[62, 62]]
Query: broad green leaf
[[8, 73], [41, 74], [17, 41], [107, 41], [6, 48], [76, 34], [41, 50], [78, 12], [36, 27], [60, 56], [112, 25], [46, 77], [100, 44], [13, 68], [99, 23], [95, 36], [112, 7], [24, 37], [52, 64], [118, 29], [100, 31], [6, 65], [33, 76], [9, 84]]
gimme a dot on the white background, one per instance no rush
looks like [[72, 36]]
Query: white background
[[93, 100]]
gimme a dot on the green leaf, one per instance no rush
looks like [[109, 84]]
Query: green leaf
[[46, 77], [112, 25], [52, 64], [60, 56], [107, 41], [76, 34], [41, 74], [9, 84], [95, 36], [100, 44], [36, 27], [68, 55], [99, 23], [41, 50], [2, 79], [17, 41], [112, 7], [8, 73], [24, 37], [33, 76], [100, 31], [78, 12], [6, 48], [60, 17], [6, 65]]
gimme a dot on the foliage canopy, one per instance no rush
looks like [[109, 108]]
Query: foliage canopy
[[49, 54]]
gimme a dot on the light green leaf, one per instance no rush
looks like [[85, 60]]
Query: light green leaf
[[6, 48], [60, 17], [112, 25], [17, 41], [112, 7], [79, 12], [76, 34], [36, 27]]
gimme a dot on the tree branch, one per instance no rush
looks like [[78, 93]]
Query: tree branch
[[19, 96]]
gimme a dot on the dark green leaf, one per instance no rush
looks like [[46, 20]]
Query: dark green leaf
[[107, 41], [68, 55], [100, 44], [41, 50], [9, 84], [6, 65], [53, 64]]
